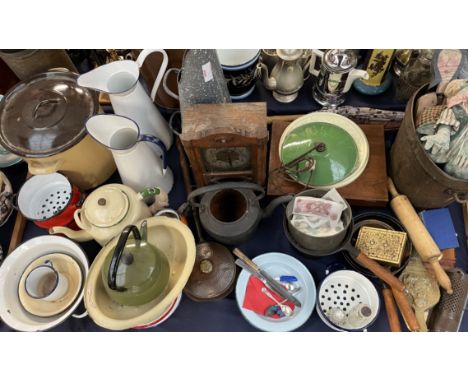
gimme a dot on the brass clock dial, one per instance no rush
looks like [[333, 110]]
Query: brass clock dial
[[227, 159]]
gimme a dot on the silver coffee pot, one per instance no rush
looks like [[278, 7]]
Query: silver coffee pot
[[336, 75], [287, 76]]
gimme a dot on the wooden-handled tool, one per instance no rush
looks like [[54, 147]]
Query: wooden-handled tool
[[422, 240], [378, 270], [406, 310], [391, 308]]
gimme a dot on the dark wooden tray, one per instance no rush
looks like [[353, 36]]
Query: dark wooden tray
[[369, 190]]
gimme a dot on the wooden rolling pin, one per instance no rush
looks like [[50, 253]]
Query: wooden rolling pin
[[422, 240]]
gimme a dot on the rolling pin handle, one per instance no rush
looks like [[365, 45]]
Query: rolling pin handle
[[441, 276], [392, 188]]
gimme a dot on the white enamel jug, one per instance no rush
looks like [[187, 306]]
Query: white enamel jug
[[139, 166], [128, 97]]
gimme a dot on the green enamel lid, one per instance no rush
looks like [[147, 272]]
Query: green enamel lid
[[336, 162]]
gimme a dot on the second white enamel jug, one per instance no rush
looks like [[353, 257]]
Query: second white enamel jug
[[139, 166], [128, 97]]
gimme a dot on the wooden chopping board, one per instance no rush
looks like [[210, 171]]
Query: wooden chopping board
[[369, 190]]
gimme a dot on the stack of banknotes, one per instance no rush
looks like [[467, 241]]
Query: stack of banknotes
[[319, 216]]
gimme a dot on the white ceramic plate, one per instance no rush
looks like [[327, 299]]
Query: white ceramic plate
[[14, 265], [277, 264]]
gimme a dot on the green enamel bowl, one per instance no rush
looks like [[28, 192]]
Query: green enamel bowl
[[344, 154]]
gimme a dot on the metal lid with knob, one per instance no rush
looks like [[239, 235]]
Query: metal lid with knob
[[289, 54], [340, 60], [45, 114], [214, 273], [106, 206]]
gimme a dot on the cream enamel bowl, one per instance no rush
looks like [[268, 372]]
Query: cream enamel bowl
[[177, 242], [11, 310]]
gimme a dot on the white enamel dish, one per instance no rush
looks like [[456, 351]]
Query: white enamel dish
[[277, 264], [13, 267]]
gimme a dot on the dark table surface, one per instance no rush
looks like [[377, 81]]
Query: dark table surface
[[224, 315]]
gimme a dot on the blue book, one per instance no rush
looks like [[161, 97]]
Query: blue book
[[440, 225]]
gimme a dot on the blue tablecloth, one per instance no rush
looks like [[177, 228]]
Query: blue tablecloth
[[224, 315]]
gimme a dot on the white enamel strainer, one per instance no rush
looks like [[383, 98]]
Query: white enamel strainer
[[344, 290], [43, 196]]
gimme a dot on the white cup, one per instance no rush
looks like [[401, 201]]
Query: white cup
[[45, 283]]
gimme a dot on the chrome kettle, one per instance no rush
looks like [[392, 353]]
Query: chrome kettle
[[287, 76], [336, 75]]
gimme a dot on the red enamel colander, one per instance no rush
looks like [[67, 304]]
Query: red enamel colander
[[49, 200]]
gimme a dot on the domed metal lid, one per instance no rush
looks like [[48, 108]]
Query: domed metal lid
[[289, 54], [213, 275], [340, 59], [106, 206], [46, 114]]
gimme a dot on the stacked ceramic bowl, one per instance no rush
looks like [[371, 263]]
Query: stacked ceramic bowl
[[41, 283]]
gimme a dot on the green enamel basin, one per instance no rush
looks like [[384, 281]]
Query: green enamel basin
[[342, 157]]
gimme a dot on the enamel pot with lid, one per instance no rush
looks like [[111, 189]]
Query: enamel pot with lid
[[43, 120], [107, 211]]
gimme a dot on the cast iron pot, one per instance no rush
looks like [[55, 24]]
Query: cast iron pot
[[230, 212]]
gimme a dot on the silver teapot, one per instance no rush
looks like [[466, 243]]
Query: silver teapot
[[336, 75], [287, 76]]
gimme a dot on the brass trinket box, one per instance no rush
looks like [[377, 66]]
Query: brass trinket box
[[383, 245]]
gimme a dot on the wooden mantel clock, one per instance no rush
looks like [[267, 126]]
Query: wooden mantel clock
[[226, 141]]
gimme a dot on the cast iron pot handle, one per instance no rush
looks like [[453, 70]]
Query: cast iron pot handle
[[222, 186], [334, 267], [460, 197], [171, 122], [117, 255], [168, 91]]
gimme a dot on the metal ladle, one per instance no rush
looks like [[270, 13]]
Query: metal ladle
[[284, 308]]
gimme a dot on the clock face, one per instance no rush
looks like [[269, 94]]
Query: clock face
[[226, 159]]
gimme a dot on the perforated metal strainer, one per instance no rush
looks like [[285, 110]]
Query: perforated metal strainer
[[345, 290], [44, 196]]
